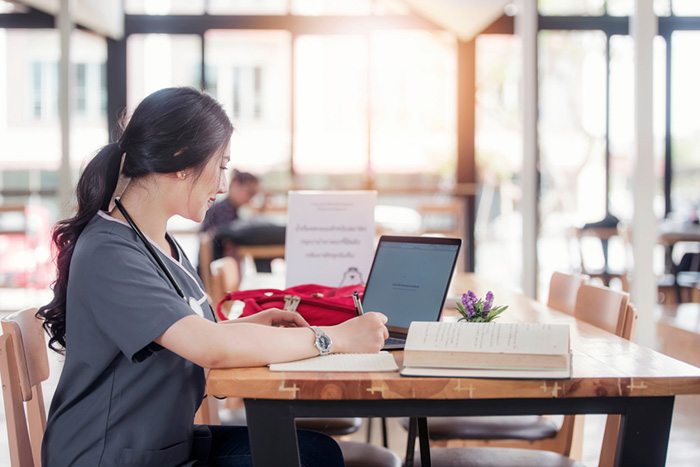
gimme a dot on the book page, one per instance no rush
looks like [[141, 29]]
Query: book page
[[352, 362], [520, 338]]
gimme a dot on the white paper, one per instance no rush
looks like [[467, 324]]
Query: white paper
[[342, 362], [330, 237]]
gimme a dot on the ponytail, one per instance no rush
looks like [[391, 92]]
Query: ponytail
[[94, 192]]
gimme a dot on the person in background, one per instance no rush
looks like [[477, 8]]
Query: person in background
[[132, 318], [243, 187], [227, 230]]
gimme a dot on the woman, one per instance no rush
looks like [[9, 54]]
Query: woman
[[132, 315]]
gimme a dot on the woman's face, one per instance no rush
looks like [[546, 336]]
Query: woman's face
[[210, 183]]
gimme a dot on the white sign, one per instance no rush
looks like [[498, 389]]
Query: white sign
[[330, 237]]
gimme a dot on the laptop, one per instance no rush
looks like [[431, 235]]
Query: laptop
[[408, 281]]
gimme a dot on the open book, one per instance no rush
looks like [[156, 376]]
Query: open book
[[487, 350]]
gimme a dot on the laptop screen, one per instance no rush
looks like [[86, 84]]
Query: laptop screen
[[409, 278]]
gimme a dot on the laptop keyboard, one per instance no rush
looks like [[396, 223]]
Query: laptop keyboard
[[394, 341]]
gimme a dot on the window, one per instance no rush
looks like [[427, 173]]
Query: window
[[685, 126], [621, 135], [258, 106], [571, 7], [156, 61], [247, 7], [331, 127], [686, 7], [499, 158], [414, 103], [164, 7]]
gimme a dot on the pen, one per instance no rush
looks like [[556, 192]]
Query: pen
[[358, 304]]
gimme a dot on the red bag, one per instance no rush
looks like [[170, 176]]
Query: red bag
[[317, 304]]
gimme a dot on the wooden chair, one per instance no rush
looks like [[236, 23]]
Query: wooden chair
[[206, 256], [605, 235], [225, 276], [563, 289], [26, 359], [602, 307], [612, 424]]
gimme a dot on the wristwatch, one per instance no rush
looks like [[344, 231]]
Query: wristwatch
[[323, 341]]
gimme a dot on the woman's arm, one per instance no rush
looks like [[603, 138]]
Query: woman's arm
[[246, 344]]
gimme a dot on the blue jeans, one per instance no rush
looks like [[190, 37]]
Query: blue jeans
[[230, 448]]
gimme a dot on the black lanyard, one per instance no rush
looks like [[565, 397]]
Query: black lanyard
[[150, 248]]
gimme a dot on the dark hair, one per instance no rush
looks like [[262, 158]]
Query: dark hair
[[171, 130], [243, 178]]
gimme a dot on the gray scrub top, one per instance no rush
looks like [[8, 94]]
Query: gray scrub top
[[123, 399]]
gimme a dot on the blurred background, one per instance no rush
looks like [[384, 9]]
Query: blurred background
[[417, 99]]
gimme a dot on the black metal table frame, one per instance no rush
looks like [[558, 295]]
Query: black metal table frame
[[643, 441]]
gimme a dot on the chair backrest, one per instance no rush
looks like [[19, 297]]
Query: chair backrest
[[17, 434], [563, 289], [32, 364], [602, 307], [206, 255], [612, 425], [225, 277]]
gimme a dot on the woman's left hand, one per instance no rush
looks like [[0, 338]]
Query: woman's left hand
[[274, 317]]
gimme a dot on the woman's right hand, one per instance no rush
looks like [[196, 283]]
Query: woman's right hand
[[363, 334]]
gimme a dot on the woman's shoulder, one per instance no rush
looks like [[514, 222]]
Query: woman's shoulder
[[106, 236]]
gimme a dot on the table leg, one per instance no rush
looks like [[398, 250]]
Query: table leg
[[269, 421], [644, 432], [411, 442], [424, 440]]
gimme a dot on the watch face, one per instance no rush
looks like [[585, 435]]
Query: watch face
[[324, 342]]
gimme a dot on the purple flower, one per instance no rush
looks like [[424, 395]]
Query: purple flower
[[489, 301], [469, 300]]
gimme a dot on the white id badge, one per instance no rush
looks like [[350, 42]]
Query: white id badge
[[196, 307]]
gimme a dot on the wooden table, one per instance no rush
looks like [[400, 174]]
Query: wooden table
[[610, 375]]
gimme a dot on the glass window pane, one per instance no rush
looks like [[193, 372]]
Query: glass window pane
[[571, 7], [330, 133], [12, 7], [499, 157], [164, 7], [249, 73], [622, 125], [620, 7], [572, 71], [331, 7], [414, 99], [662, 7], [247, 7], [156, 61], [686, 7], [685, 126], [89, 123], [29, 99]]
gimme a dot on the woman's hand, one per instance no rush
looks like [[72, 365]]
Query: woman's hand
[[274, 317], [364, 334]]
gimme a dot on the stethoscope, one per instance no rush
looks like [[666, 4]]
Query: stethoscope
[[196, 307]]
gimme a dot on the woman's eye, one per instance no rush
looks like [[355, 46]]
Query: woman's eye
[[223, 167]]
